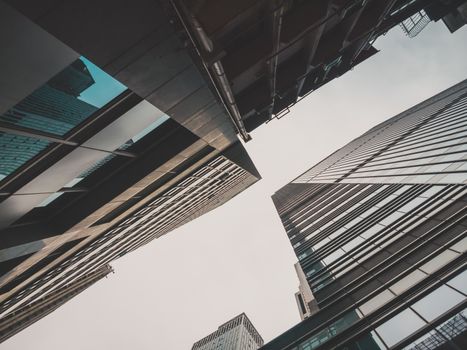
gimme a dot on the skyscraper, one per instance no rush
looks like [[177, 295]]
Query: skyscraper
[[379, 229], [90, 169], [41, 307], [236, 334]]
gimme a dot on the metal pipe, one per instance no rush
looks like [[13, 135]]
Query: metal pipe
[[272, 64], [220, 78]]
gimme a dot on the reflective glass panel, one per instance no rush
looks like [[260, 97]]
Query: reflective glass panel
[[437, 302], [66, 100], [459, 282], [438, 261], [90, 170], [407, 281], [15, 150], [399, 327], [375, 302], [144, 132], [50, 199], [460, 246], [333, 256], [329, 332], [369, 341]]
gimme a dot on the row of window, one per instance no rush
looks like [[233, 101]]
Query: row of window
[[404, 323], [128, 236], [367, 242], [430, 132], [371, 250]]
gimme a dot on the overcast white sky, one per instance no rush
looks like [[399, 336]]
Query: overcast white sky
[[179, 288]]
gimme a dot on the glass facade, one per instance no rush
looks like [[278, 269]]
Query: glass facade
[[127, 145], [200, 191], [114, 142], [66, 100], [424, 145], [61, 104], [16, 150], [379, 229], [80, 153]]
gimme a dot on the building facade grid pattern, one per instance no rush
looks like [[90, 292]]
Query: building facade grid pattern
[[380, 231]]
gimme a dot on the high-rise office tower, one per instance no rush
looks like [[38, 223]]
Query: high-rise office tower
[[379, 229], [236, 334], [110, 137]]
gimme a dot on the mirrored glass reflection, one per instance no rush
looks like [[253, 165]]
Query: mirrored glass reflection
[[399, 327], [16, 150], [66, 100]]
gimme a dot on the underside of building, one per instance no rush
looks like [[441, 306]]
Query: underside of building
[[264, 56]]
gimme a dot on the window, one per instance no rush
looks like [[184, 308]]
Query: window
[[333, 256], [437, 302], [399, 327], [459, 282], [438, 261], [375, 302], [408, 281], [335, 328], [369, 341]]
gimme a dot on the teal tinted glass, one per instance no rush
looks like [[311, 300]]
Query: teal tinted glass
[[15, 150], [66, 100]]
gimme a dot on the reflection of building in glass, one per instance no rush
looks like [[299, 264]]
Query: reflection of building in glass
[[55, 107], [15, 150], [379, 228], [236, 334], [73, 80]]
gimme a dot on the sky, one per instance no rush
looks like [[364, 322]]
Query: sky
[[237, 258], [104, 89]]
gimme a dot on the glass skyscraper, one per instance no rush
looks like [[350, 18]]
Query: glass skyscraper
[[379, 229], [100, 157], [236, 334]]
